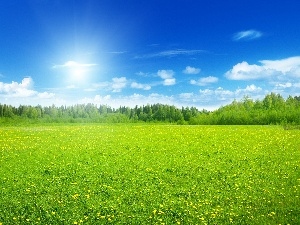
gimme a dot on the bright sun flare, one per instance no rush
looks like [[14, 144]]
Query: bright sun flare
[[77, 71], [78, 74]]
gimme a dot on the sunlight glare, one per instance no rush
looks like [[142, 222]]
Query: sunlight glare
[[78, 72]]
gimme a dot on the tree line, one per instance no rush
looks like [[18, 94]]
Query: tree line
[[273, 109]]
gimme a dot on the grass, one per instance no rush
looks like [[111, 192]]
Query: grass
[[149, 174]]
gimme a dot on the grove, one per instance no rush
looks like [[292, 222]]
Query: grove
[[272, 109]]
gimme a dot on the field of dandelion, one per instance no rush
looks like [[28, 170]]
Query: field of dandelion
[[149, 174]]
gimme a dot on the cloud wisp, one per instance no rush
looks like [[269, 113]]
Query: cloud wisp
[[173, 53], [247, 35], [136, 85], [73, 64]]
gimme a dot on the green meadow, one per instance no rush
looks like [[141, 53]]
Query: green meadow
[[149, 174]]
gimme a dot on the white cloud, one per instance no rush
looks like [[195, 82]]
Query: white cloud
[[249, 90], [73, 64], [169, 81], [115, 85], [247, 35], [119, 83], [253, 88], [142, 74], [45, 95], [244, 71], [191, 70], [152, 98], [285, 85], [205, 81], [22, 93], [289, 67], [167, 76], [293, 88], [18, 89], [224, 96], [140, 86], [208, 98], [98, 99], [186, 95], [206, 92], [131, 100]]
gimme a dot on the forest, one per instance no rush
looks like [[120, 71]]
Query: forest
[[272, 109]]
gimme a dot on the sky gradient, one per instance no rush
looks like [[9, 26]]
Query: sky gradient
[[184, 53]]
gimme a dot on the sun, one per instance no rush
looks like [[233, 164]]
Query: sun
[[77, 71], [78, 74]]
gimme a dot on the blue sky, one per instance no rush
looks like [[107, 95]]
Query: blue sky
[[184, 53]]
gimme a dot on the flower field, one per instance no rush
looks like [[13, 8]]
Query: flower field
[[149, 174]]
